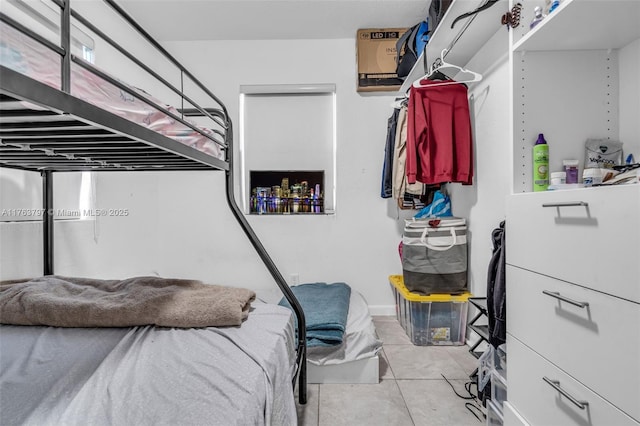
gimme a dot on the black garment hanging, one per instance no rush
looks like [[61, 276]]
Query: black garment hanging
[[387, 166], [437, 10], [496, 289], [439, 76]]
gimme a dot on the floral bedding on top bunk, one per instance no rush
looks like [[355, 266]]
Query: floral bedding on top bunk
[[27, 56]]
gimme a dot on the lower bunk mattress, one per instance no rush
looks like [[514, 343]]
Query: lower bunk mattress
[[355, 360], [151, 375], [360, 338]]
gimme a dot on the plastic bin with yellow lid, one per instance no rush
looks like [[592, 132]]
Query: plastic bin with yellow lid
[[398, 282], [437, 319]]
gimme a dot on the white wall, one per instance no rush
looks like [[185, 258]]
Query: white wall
[[179, 224], [357, 244]]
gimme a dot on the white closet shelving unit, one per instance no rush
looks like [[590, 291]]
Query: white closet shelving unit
[[468, 35], [566, 79], [573, 276]]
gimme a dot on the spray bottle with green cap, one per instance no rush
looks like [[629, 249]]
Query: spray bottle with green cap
[[540, 164]]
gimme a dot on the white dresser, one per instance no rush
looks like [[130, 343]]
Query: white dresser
[[573, 256], [573, 306]]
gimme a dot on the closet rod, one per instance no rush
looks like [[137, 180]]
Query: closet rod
[[454, 41]]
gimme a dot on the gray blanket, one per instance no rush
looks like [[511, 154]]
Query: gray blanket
[[80, 302]]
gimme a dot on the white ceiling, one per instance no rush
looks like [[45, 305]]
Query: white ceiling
[[185, 20]]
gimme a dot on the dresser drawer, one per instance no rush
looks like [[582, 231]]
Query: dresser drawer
[[579, 340], [541, 404], [596, 245]]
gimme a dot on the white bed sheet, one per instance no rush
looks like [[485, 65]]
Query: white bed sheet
[[27, 56], [151, 376], [361, 340]]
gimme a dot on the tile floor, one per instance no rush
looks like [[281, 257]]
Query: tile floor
[[411, 392]]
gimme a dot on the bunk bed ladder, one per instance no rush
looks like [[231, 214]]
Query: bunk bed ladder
[[301, 360]]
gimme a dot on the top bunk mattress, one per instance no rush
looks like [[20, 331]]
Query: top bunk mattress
[[27, 56], [151, 375]]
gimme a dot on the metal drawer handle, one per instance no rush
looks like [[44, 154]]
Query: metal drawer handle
[[557, 295], [567, 204], [556, 385]]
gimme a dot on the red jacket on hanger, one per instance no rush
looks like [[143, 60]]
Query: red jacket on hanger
[[439, 140]]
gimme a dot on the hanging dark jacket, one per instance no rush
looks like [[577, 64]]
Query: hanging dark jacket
[[387, 165], [496, 291]]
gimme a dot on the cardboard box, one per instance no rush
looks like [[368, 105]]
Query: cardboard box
[[376, 57]]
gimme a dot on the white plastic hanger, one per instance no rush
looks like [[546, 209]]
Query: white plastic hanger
[[442, 64], [399, 102]]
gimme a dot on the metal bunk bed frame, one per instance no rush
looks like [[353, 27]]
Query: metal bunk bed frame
[[74, 135]]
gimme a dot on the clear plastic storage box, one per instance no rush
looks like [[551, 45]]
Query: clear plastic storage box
[[498, 390], [437, 319], [499, 360], [484, 367], [494, 415]]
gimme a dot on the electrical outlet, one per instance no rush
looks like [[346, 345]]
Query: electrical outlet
[[294, 278]]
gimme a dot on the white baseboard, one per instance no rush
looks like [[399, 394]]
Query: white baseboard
[[382, 310]]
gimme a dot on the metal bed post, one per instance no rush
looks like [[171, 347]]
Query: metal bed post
[[47, 175], [273, 269], [65, 40], [47, 221]]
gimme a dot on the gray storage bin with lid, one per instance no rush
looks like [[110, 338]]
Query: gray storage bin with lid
[[434, 255]]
